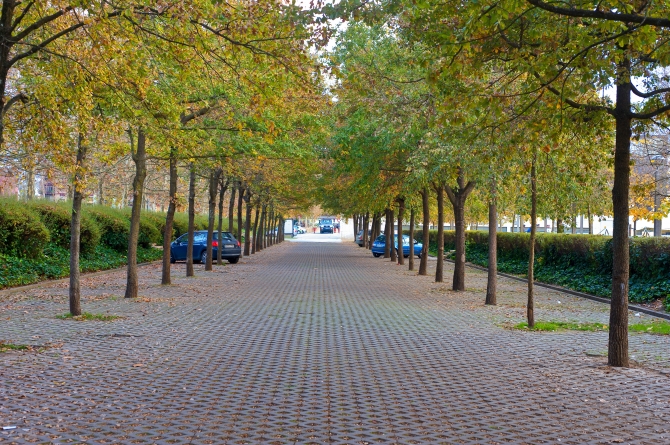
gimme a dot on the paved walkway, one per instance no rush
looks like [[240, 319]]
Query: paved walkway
[[308, 343]]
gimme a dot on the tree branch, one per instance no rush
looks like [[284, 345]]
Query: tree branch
[[19, 97], [648, 94], [651, 114], [38, 24], [603, 15], [20, 18]]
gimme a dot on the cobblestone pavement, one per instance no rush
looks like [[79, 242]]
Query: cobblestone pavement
[[307, 343]]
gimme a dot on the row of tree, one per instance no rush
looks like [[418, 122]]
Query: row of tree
[[226, 93], [504, 101]]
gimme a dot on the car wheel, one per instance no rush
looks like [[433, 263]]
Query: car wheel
[[376, 255], [203, 256], [234, 260], [172, 260]]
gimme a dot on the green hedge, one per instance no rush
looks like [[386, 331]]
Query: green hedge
[[55, 263], [57, 217], [22, 233], [113, 224], [35, 239], [579, 262]]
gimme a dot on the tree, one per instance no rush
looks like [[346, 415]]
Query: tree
[[566, 52]]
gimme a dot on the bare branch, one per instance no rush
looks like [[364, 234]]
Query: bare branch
[[603, 15]]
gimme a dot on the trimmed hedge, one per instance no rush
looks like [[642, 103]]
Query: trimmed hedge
[[22, 233], [35, 238], [579, 262], [57, 217], [113, 224]]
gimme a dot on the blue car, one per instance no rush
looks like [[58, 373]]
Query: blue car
[[380, 243], [231, 249]]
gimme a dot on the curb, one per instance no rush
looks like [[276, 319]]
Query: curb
[[631, 307]]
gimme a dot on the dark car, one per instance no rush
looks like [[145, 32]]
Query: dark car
[[359, 237], [326, 225], [380, 243], [230, 247]]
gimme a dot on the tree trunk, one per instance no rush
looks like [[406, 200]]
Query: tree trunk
[[169, 219], [458, 196], [30, 186], [366, 223], [492, 282], [458, 283], [373, 230], [423, 264], [265, 216], [401, 211], [388, 233], [75, 229], [530, 315], [439, 268], [191, 222], [256, 232], [271, 227], [355, 218], [101, 189], [392, 252], [231, 209], [590, 219], [222, 193], [240, 199], [411, 239], [214, 177], [559, 226], [247, 223], [140, 159], [618, 329]]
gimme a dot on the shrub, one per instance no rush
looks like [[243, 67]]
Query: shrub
[[113, 224], [57, 218], [579, 262], [22, 233], [151, 228]]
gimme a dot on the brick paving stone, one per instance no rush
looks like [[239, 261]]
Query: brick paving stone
[[312, 343]]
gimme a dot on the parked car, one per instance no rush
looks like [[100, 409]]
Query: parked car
[[380, 243], [326, 225], [230, 250], [359, 237]]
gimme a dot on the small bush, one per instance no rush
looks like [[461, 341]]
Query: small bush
[[150, 233], [22, 233], [58, 216], [113, 224]]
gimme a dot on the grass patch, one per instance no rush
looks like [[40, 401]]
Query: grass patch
[[4, 347], [87, 316], [655, 327], [552, 326]]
